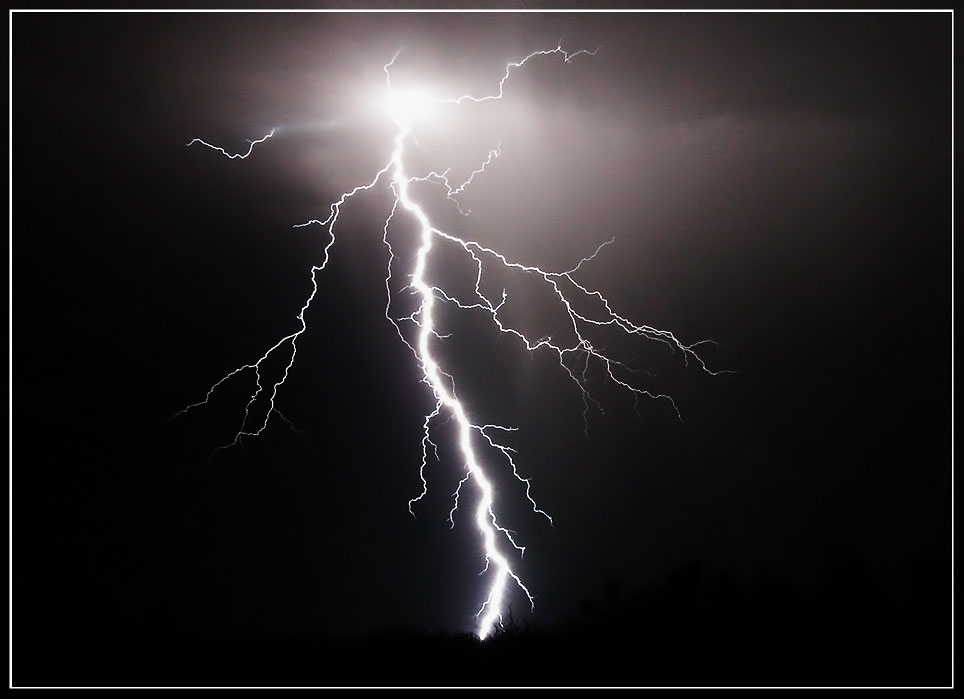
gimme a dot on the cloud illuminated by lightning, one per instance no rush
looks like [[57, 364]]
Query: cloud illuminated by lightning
[[405, 108]]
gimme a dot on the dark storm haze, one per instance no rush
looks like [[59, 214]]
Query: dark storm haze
[[777, 183]]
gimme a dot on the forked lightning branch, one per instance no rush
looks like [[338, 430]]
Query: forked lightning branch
[[482, 452]]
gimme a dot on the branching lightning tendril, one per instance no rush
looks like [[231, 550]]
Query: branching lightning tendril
[[405, 109]]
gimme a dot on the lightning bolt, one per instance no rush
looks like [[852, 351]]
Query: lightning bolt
[[574, 354]]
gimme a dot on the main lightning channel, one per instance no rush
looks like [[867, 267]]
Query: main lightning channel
[[485, 519], [574, 355]]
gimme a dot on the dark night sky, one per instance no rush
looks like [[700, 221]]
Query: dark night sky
[[779, 183]]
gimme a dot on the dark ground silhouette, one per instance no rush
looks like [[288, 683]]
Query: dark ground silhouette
[[699, 627]]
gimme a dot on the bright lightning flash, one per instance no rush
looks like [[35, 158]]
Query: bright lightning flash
[[405, 108]]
